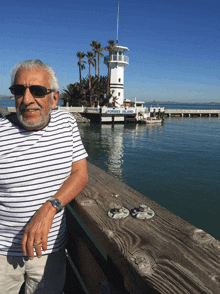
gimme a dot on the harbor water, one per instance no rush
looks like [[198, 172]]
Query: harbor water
[[176, 164]]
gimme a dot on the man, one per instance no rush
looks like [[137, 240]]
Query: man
[[42, 169]]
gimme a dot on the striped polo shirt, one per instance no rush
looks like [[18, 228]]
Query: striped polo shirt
[[33, 166]]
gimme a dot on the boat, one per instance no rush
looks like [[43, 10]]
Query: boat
[[154, 115], [148, 119], [151, 120]]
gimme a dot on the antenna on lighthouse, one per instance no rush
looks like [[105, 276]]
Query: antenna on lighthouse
[[117, 24]]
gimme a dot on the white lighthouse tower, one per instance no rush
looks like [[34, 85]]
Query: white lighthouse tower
[[118, 63]]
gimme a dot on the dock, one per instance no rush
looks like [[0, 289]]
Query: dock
[[163, 254], [191, 113]]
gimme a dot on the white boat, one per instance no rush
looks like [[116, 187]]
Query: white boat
[[151, 116], [151, 120], [148, 119]]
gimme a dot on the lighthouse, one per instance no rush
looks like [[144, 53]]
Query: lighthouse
[[118, 63]]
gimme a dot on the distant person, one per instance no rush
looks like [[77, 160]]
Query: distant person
[[42, 169]]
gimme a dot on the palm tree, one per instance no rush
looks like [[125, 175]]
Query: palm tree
[[90, 57], [74, 94], [79, 94], [94, 44], [81, 63], [99, 49], [112, 50], [114, 99]]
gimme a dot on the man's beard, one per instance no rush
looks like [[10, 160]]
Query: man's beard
[[44, 118]]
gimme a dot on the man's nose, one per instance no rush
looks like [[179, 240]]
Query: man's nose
[[28, 97]]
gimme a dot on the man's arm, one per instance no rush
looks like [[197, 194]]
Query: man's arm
[[39, 227]]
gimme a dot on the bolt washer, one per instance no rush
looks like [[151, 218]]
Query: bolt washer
[[143, 212], [118, 213]]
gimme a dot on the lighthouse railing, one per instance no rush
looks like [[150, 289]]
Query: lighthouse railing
[[115, 57]]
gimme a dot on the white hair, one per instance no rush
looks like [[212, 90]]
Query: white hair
[[36, 64]]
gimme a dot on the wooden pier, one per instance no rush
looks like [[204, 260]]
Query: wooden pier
[[192, 113], [162, 255]]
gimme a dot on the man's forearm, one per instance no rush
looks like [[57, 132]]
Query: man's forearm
[[74, 184]]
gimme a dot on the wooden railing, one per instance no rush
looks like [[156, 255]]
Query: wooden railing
[[164, 254]]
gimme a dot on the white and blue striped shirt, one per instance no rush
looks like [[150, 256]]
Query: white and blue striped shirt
[[33, 166]]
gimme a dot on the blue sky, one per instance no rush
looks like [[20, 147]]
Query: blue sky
[[174, 46]]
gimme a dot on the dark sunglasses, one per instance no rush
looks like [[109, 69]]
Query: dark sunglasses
[[36, 91]]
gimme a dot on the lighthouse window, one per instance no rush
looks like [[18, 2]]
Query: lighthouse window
[[119, 80], [119, 94]]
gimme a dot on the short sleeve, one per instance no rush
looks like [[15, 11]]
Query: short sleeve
[[79, 151]]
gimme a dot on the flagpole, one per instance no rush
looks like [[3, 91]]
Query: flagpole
[[117, 24]]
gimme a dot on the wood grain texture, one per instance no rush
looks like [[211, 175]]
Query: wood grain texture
[[165, 254]]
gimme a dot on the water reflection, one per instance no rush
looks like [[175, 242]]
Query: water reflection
[[112, 139], [109, 145]]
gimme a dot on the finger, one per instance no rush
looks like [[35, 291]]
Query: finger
[[37, 246], [30, 247], [33, 243], [23, 243], [44, 241]]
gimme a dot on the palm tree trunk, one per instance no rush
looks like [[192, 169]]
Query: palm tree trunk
[[90, 85], [109, 70], [90, 78], [80, 78], [95, 65], [98, 68]]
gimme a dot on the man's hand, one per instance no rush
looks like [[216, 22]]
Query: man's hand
[[37, 230]]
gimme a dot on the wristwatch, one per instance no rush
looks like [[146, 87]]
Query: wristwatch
[[56, 203]]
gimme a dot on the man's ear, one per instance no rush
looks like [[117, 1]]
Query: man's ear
[[55, 99]]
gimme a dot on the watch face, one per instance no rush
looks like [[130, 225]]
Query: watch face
[[57, 204]]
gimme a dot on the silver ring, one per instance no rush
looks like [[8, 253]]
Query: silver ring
[[37, 244]]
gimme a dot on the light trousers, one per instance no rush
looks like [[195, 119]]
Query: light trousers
[[45, 275]]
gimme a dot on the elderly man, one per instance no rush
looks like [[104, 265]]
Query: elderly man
[[42, 169]]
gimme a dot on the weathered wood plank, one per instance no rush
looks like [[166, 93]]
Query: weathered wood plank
[[165, 253], [98, 273]]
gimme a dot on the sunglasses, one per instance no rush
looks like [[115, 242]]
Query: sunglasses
[[36, 91]]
